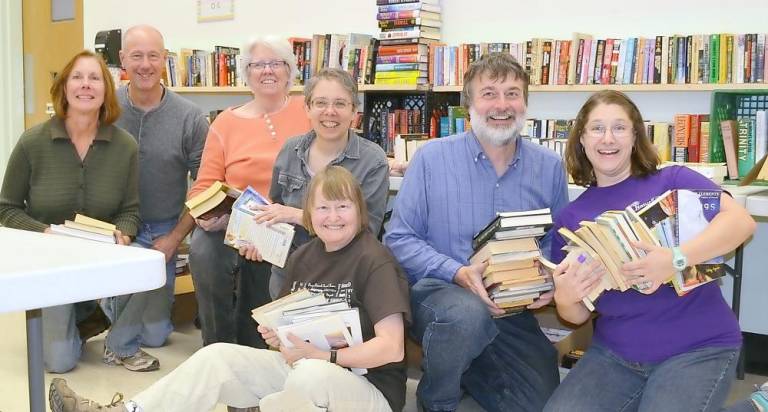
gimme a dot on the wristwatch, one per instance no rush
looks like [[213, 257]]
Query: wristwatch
[[333, 356], [679, 261]]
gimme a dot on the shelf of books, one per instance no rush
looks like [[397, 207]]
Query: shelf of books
[[298, 89], [533, 89], [697, 87], [224, 89]]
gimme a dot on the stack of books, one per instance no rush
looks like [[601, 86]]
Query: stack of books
[[670, 220], [514, 278], [407, 29], [86, 227], [326, 324]]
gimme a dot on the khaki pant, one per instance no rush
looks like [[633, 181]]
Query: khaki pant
[[242, 376]]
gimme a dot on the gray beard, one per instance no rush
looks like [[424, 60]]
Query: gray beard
[[496, 136]]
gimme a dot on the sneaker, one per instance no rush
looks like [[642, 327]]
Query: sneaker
[[138, 362], [64, 399]]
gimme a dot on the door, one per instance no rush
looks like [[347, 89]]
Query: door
[[48, 45]]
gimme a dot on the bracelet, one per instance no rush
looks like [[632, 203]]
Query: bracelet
[[333, 356]]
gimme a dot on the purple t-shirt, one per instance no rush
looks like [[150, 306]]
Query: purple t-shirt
[[655, 327]]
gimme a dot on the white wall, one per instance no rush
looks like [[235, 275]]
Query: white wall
[[11, 79], [470, 21], [463, 21]]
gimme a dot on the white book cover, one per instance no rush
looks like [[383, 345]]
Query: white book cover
[[82, 234], [336, 330], [273, 242]]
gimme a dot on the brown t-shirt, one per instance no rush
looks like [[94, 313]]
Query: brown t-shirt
[[367, 276]]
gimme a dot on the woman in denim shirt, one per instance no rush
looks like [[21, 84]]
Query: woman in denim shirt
[[331, 102]]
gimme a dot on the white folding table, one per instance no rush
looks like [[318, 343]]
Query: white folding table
[[39, 270]]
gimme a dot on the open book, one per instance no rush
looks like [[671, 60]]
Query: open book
[[273, 242], [86, 227], [214, 201]]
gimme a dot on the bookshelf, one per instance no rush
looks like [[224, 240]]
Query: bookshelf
[[236, 90], [224, 90]]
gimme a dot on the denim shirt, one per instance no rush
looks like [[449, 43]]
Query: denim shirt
[[363, 158], [451, 191]]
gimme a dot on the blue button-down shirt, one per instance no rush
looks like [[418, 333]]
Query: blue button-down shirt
[[451, 191]]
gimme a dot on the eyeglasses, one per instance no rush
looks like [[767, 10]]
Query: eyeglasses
[[322, 104], [260, 66], [617, 130]]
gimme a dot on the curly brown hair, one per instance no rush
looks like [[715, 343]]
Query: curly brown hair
[[644, 159]]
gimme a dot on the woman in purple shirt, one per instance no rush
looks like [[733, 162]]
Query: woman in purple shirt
[[652, 351]]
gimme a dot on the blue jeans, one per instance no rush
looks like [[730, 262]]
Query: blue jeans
[[227, 288], [505, 364], [61, 338], [143, 319], [698, 380]]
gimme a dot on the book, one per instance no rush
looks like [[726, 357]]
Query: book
[[312, 318], [272, 241], [671, 219], [695, 209], [270, 314], [85, 227], [506, 250], [215, 201], [513, 220], [729, 130]]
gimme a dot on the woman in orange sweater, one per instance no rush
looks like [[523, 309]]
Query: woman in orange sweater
[[240, 150]]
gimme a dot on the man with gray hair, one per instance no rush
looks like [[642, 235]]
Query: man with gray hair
[[453, 187], [171, 134]]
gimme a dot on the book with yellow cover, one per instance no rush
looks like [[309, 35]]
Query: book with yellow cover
[[85, 227], [214, 201]]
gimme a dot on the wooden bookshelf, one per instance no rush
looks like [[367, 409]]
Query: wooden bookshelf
[[393, 87], [629, 87], [226, 90]]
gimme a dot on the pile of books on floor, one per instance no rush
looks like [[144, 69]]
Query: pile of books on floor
[[670, 220], [86, 227], [326, 324], [509, 245], [407, 29]]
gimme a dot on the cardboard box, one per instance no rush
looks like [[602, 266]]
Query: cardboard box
[[569, 336]]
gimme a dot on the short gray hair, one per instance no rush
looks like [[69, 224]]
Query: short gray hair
[[497, 66], [340, 76], [282, 49]]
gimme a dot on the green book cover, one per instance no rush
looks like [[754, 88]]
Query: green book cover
[[746, 146], [714, 58], [455, 112]]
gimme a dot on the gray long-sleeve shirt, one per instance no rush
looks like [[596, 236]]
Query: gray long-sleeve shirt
[[171, 138]]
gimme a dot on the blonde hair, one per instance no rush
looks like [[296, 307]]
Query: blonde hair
[[335, 183]]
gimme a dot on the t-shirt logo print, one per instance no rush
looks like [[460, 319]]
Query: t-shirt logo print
[[334, 292]]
